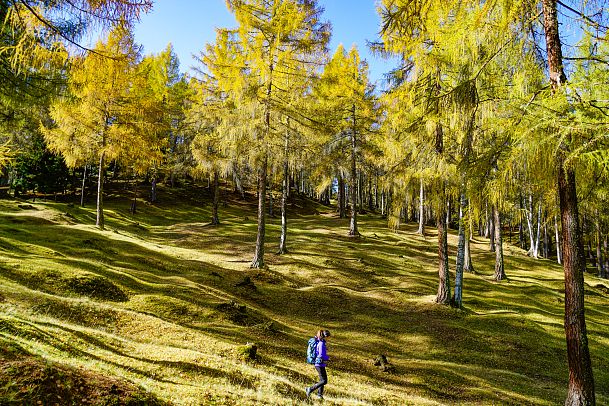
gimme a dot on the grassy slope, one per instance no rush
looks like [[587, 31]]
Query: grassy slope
[[177, 336]]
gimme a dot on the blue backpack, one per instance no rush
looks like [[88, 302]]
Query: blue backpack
[[312, 350]]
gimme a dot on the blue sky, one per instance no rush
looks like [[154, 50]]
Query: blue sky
[[190, 24]]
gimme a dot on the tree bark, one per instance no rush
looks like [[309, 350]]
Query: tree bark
[[153, 192], [258, 261], [353, 231], [538, 235], [599, 252], [342, 198], [100, 193], [82, 191], [421, 229], [558, 243], [581, 379], [499, 266], [215, 220], [457, 300], [284, 201], [134, 202], [443, 296], [468, 266], [492, 232]]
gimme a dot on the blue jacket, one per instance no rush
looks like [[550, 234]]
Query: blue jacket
[[322, 355]]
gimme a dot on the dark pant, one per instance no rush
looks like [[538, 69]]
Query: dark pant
[[323, 380]]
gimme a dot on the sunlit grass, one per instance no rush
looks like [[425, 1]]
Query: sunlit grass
[[178, 333]]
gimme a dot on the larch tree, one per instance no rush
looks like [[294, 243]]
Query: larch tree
[[271, 34], [35, 37], [345, 94], [94, 120]]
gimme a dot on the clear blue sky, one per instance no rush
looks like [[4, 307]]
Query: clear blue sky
[[190, 24]]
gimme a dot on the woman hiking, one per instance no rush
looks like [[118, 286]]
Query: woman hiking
[[320, 364]]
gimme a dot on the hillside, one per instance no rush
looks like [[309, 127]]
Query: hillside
[[157, 309]]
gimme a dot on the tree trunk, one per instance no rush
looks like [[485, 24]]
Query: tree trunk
[[258, 261], [443, 296], [487, 224], [533, 249], [284, 202], [499, 267], [581, 379], [153, 193], [558, 243], [342, 200], [538, 235], [468, 266], [215, 220], [82, 191], [546, 237], [606, 266], [134, 201], [599, 253], [353, 231], [492, 232], [421, 229], [100, 193], [457, 300]]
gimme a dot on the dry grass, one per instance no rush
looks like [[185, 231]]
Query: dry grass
[[168, 313]]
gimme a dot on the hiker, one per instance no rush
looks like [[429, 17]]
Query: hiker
[[321, 357]]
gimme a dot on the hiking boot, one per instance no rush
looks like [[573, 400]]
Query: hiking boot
[[308, 391]]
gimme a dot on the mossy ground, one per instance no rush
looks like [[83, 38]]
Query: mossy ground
[[161, 300]]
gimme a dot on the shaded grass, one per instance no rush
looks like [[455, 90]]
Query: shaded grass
[[183, 313]]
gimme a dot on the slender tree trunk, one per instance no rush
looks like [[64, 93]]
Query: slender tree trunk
[[499, 267], [284, 201], [520, 225], [468, 266], [599, 253], [258, 261], [443, 296], [153, 193], [134, 201], [538, 235], [546, 237], [353, 231], [215, 220], [492, 232], [581, 379], [558, 249], [271, 203], [342, 200], [82, 191], [370, 199], [421, 229], [457, 300], [532, 249], [100, 193], [487, 224], [606, 247]]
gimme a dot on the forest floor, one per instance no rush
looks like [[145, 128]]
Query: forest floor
[[157, 309]]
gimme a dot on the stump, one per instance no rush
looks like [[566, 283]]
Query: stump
[[247, 351], [383, 364]]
